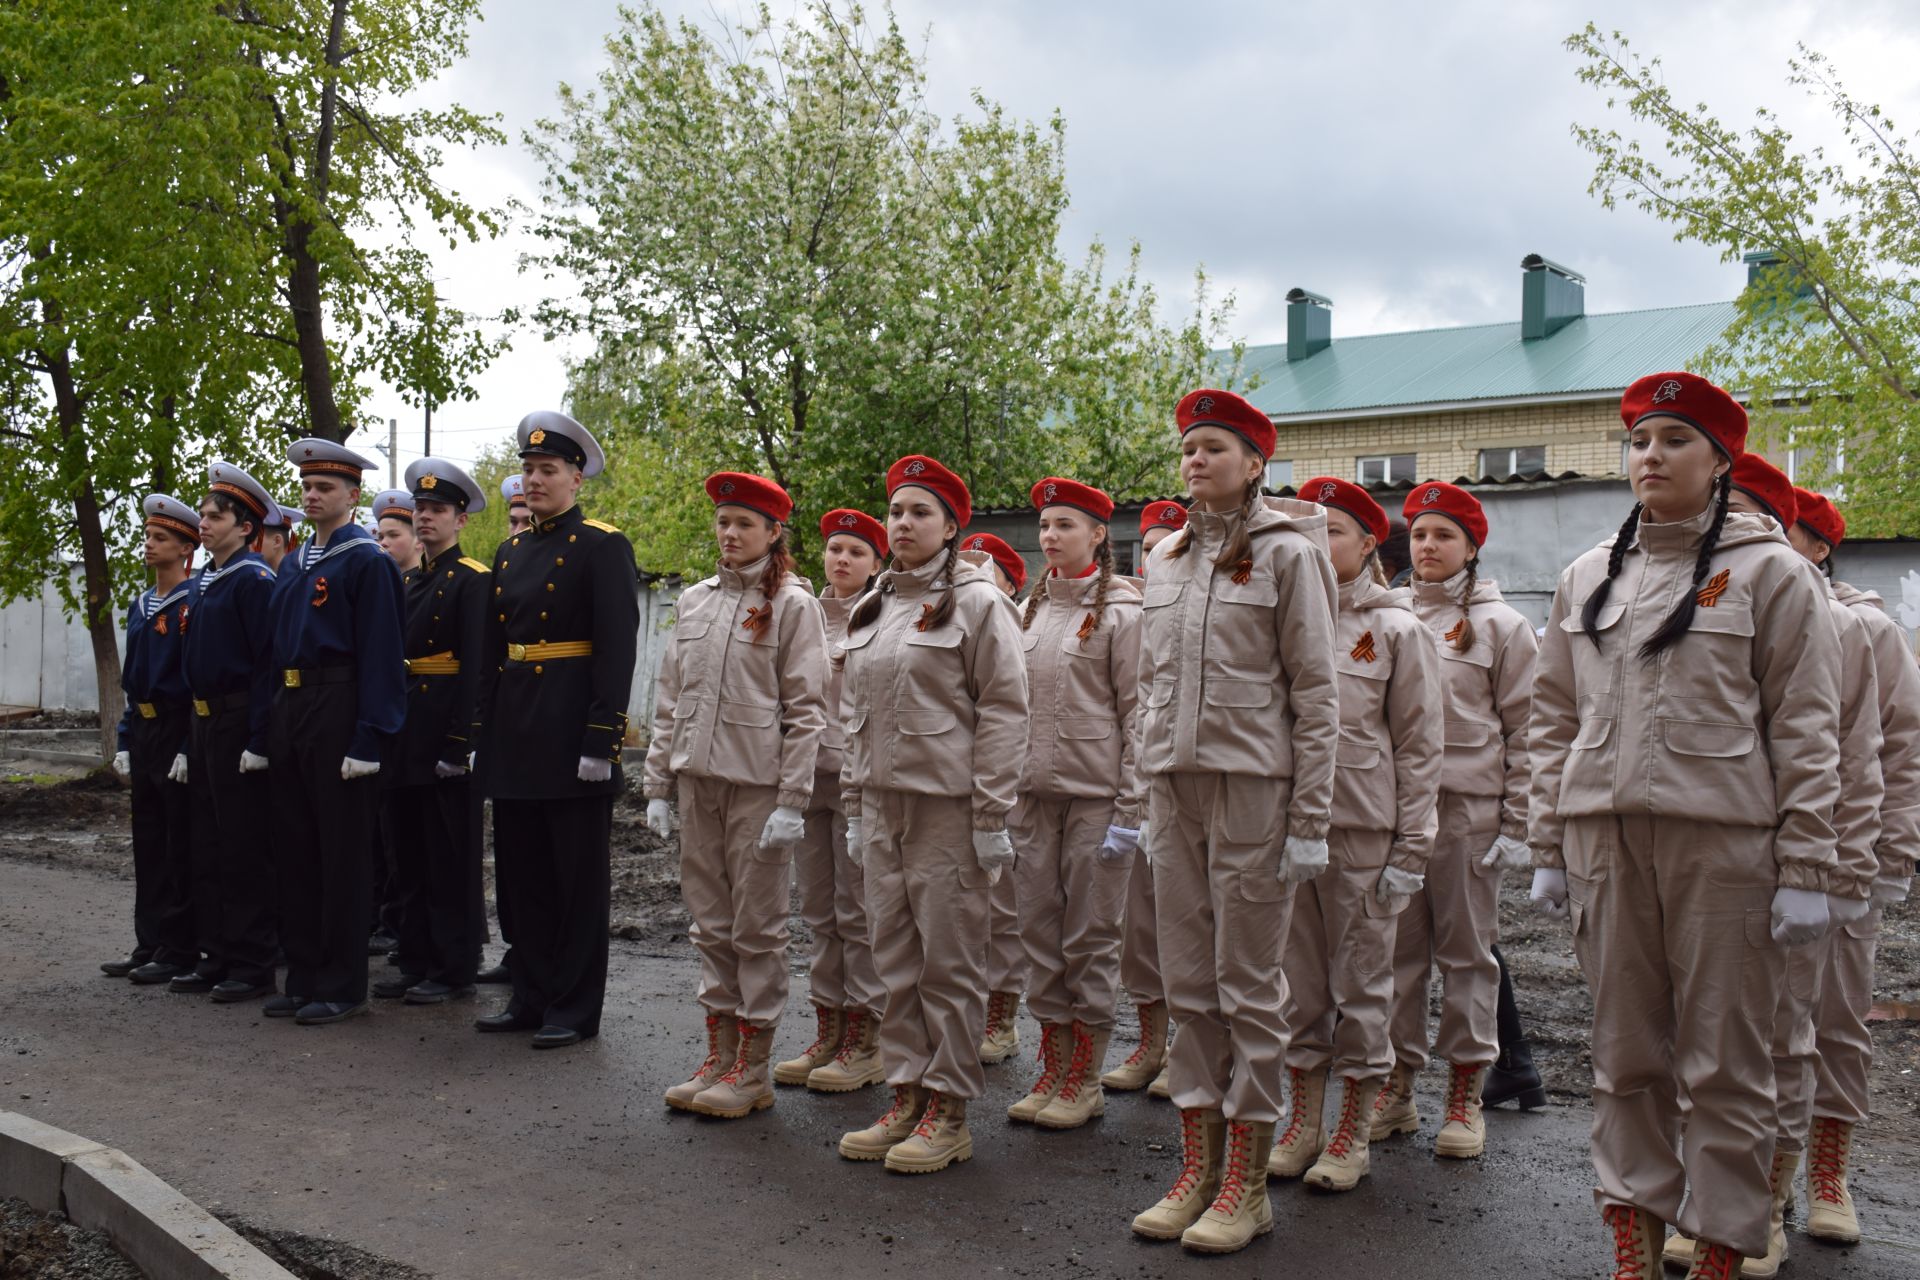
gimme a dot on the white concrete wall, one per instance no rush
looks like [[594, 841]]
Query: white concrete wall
[[46, 659]]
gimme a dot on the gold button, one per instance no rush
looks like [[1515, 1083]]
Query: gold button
[[496, 591], [449, 573], [516, 542], [503, 617], [549, 586], [559, 559], [571, 538], [537, 668], [543, 615]]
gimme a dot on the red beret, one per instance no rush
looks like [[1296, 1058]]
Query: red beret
[[1055, 492], [1224, 409], [1162, 515], [1350, 498], [1820, 516], [755, 493], [1767, 485], [857, 523], [1692, 399], [1003, 555], [1435, 497], [918, 469]]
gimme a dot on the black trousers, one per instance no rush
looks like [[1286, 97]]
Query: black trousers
[[236, 907], [436, 860], [321, 827], [389, 889], [163, 921], [551, 859]]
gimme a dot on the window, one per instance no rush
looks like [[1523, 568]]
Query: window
[[1393, 468], [1522, 460], [1818, 467], [1280, 473], [1126, 558]]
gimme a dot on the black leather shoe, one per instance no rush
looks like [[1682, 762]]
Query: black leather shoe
[[436, 992], [1514, 1078], [284, 1006], [321, 1012], [121, 968], [381, 942], [555, 1037], [495, 976], [153, 973], [394, 988], [233, 991], [506, 1021], [192, 984]]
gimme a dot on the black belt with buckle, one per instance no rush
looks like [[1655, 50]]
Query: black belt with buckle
[[225, 702], [292, 678]]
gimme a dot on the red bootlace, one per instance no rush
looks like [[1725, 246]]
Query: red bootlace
[[1627, 1262], [1385, 1098], [1139, 1055], [1296, 1113], [747, 1032], [823, 1031], [1233, 1181], [1343, 1134], [996, 1006], [1049, 1059], [1193, 1155], [850, 1040], [1826, 1170], [902, 1096], [1714, 1262], [1457, 1090], [931, 1120], [712, 1059], [1077, 1067]]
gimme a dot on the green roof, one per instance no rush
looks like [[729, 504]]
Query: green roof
[[1593, 354]]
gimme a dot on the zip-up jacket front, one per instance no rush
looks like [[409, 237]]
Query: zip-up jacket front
[[1083, 689], [1387, 767], [1897, 678]]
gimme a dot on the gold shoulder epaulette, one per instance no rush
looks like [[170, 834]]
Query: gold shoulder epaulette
[[474, 565], [601, 525]]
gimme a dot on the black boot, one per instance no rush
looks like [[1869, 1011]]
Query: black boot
[[1513, 1076]]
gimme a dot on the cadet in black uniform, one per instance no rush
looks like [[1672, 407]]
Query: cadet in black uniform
[[560, 642], [342, 694], [514, 490], [514, 493], [228, 657], [151, 746], [432, 813]]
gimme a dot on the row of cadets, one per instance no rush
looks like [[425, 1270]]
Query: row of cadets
[[561, 635]]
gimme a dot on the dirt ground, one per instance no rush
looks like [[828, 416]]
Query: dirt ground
[[37, 1246]]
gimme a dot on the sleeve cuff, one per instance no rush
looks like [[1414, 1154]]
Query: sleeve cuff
[[1308, 826], [1800, 875], [1514, 829], [990, 818], [657, 791], [1859, 887], [794, 799], [1128, 818], [850, 803], [1406, 858], [1549, 856]]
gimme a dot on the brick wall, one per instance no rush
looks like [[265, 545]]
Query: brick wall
[[1584, 438]]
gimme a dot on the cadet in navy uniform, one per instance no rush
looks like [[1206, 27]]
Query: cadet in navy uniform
[[432, 813], [278, 537], [561, 636], [514, 492], [152, 740], [513, 489], [336, 639], [228, 658]]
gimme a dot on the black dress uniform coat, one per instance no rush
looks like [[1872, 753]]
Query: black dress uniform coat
[[153, 731]]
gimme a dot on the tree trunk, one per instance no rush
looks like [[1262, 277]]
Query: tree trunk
[[98, 610], [309, 329]]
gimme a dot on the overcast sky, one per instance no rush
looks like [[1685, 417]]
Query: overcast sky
[[1398, 157]]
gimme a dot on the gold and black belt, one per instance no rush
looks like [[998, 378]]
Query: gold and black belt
[[434, 664], [293, 678], [238, 701], [545, 652]]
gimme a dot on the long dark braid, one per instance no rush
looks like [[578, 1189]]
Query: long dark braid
[[1102, 556], [1239, 547], [1622, 543], [1033, 606], [1462, 633], [944, 610], [1682, 616], [779, 565]]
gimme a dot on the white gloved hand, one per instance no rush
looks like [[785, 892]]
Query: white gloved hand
[[1799, 916], [447, 769], [178, 772], [1119, 846], [1508, 854], [853, 838], [1395, 883], [1302, 860], [1909, 606], [1549, 894], [594, 769], [1847, 910], [351, 769], [251, 763], [659, 818], [785, 826], [123, 764], [473, 758], [993, 850], [1888, 890], [1145, 849]]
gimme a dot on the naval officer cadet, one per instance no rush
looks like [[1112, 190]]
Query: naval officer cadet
[[514, 490], [561, 631], [336, 629]]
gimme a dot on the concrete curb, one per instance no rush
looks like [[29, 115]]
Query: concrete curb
[[162, 1232]]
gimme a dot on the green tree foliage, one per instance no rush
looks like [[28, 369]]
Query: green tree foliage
[[788, 265], [1827, 344]]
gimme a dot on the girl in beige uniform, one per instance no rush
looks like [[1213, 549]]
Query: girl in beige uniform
[[1685, 742], [847, 996], [935, 703], [737, 723], [1077, 826], [1486, 652], [1239, 719], [1386, 782]]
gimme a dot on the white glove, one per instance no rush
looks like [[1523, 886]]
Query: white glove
[[445, 769], [1549, 894], [1302, 860], [594, 769], [853, 838], [1799, 916], [251, 763], [123, 764], [785, 826], [659, 818], [1888, 890], [351, 769], [1508, 854], [1120, 844], [1847, 910], [993, 850], [178, 773], [473, 758], [1909, 605], [1395, 883], [1144, 848]]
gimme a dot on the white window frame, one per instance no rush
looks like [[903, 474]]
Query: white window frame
[[1797, 469], [1280, 473], [1387, 476], [1513, 467]]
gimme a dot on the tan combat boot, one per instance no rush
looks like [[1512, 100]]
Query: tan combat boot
[[1055, 1045], [1714, 1262], [831, 1025], [1677, 1252], [1080, 1098], [1160, 1088], [746, 1086], [1636, 1242], [1203, 1137], [1299, 1144], [1241, 1210], [1767, 1266], [1343, 1161], [1464, 1135], [1830, 1214], [1147, 1060], [1002, 1037], [857, 1064], [1393, 1108], [940, 1139], [723, 1047], [891, 1129]]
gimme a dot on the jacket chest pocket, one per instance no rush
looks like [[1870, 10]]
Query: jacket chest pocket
[[932, 666], [854, 653], [1240, 623], [1715, 658], [1086, 688], [753, 666], [1363, 694], [1594, 667]]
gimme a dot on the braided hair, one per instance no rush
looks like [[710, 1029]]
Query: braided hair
[[1240, 546], [869, 608], [1597, 598], [1103, 583], [1681, 618], [1463, 633]]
